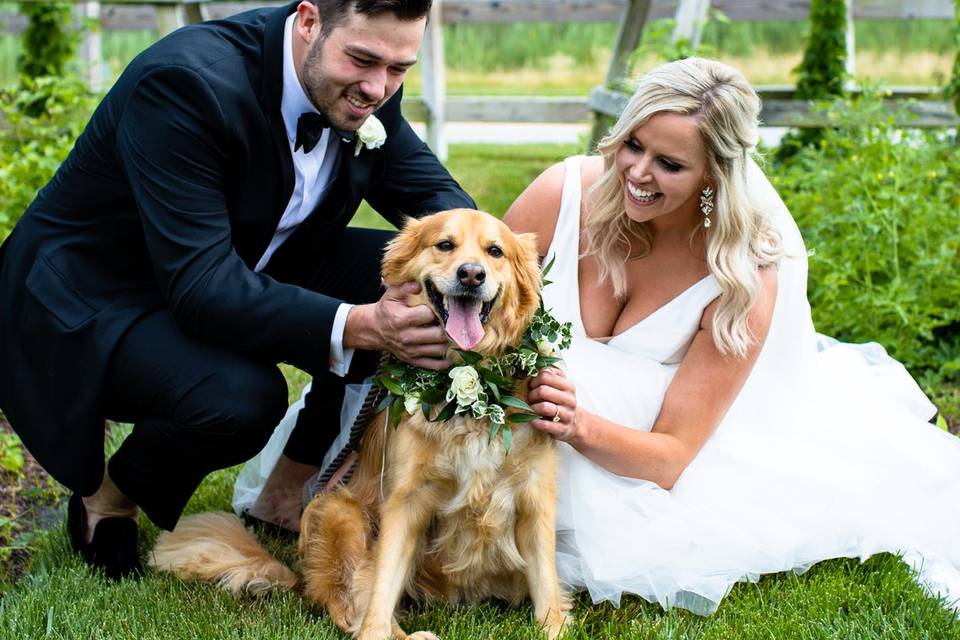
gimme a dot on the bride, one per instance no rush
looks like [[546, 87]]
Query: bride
[[707, 433]]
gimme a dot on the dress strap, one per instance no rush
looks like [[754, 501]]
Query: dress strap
[[568, 222], [566, 236], [563, 297]]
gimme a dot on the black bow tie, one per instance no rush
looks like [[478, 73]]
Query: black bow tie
[[310, 126]]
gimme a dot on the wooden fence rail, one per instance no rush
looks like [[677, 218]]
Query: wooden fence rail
[[434, 107], [142, 14]]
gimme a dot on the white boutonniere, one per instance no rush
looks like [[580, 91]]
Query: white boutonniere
[[371, 135]]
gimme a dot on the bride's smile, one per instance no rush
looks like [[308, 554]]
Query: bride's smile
[[663, 166]]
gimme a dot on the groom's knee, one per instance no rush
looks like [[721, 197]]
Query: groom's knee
[[242, 404]]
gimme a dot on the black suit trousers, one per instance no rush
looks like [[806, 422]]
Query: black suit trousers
[[197, 407]]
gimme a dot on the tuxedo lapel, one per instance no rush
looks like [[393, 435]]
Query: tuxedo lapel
[[327, 219], [271, 95]]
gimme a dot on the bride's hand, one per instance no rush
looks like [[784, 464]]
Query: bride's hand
[[554, 396]]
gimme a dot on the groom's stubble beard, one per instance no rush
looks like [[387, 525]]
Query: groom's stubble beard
[[325, 96]]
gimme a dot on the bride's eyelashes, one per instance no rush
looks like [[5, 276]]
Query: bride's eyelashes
[[666, 163]]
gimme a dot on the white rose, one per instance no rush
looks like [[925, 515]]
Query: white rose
[[547, 348], [465, 385], [371, 134], [411, 403]]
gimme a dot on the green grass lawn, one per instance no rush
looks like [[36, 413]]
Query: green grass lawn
[[60, 598]]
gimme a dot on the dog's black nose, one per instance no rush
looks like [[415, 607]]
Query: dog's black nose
[[471, 275]]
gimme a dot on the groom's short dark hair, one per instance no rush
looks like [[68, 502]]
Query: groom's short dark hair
[[333, 13]]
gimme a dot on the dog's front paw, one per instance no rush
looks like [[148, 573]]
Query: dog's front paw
[[376, 632], [558, 625], [422, 635]]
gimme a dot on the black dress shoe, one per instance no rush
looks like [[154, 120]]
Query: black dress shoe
[[114, 544]]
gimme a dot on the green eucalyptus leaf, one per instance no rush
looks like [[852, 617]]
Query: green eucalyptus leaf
[[546, 268], [390, 385], [396, 412], [519, 418], [470, 357], [516, 403], [447, 412], [395, 369]]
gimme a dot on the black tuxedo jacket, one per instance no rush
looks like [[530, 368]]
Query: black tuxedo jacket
[[168, 200]]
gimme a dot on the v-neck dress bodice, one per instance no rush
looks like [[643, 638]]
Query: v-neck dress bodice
[[825, 452], [641, 359]]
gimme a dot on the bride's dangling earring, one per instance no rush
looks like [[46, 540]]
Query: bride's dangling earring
[[706, 205]]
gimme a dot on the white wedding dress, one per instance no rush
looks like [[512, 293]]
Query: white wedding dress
[[825, 453]]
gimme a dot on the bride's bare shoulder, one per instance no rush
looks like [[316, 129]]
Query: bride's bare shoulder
[[536, 209]]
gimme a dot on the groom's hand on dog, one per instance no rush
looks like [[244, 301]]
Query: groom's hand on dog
[[411, 333]]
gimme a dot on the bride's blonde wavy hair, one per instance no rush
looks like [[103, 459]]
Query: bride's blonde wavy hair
[[740, 238]]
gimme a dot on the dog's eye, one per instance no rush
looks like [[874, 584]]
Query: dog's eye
[[445, 245], [495, 251]]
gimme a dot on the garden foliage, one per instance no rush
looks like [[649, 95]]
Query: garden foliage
[[822, 71], [879, 208], [44, 112], [33, 142], [952, 90], [50, 39]]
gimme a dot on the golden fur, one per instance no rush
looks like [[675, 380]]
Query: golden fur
[[433, 510]]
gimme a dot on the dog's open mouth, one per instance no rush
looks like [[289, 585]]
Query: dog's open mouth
[[463, 315]]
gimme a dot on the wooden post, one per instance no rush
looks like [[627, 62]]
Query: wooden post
[[92, 47], [691, 17], [851, 62], [435, 82], [168, 18], [193, 13], [631, 28], [171, 16]]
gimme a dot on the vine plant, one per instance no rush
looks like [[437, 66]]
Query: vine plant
[[822, 72]]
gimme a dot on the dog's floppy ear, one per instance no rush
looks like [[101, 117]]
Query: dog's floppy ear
[[401, 251], [526, 267]]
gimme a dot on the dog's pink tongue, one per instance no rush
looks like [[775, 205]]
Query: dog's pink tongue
[[463, 322]]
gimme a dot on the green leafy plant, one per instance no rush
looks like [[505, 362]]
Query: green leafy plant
[[822, 72], [658, 40], [50, 39], [11, 453], [879, 208], [34, 142]]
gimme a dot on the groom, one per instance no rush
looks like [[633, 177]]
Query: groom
[[195, 237]]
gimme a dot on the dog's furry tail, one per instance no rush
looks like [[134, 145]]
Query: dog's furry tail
[[216, 547]]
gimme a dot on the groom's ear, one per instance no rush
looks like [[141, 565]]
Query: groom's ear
[[401, 251]]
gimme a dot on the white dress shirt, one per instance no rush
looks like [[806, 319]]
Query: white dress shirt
[[313, 177]]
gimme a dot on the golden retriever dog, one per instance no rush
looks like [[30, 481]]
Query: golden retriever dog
[[434, 510]]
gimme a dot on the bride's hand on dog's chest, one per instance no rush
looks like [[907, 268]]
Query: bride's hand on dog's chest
[[554, 396]]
